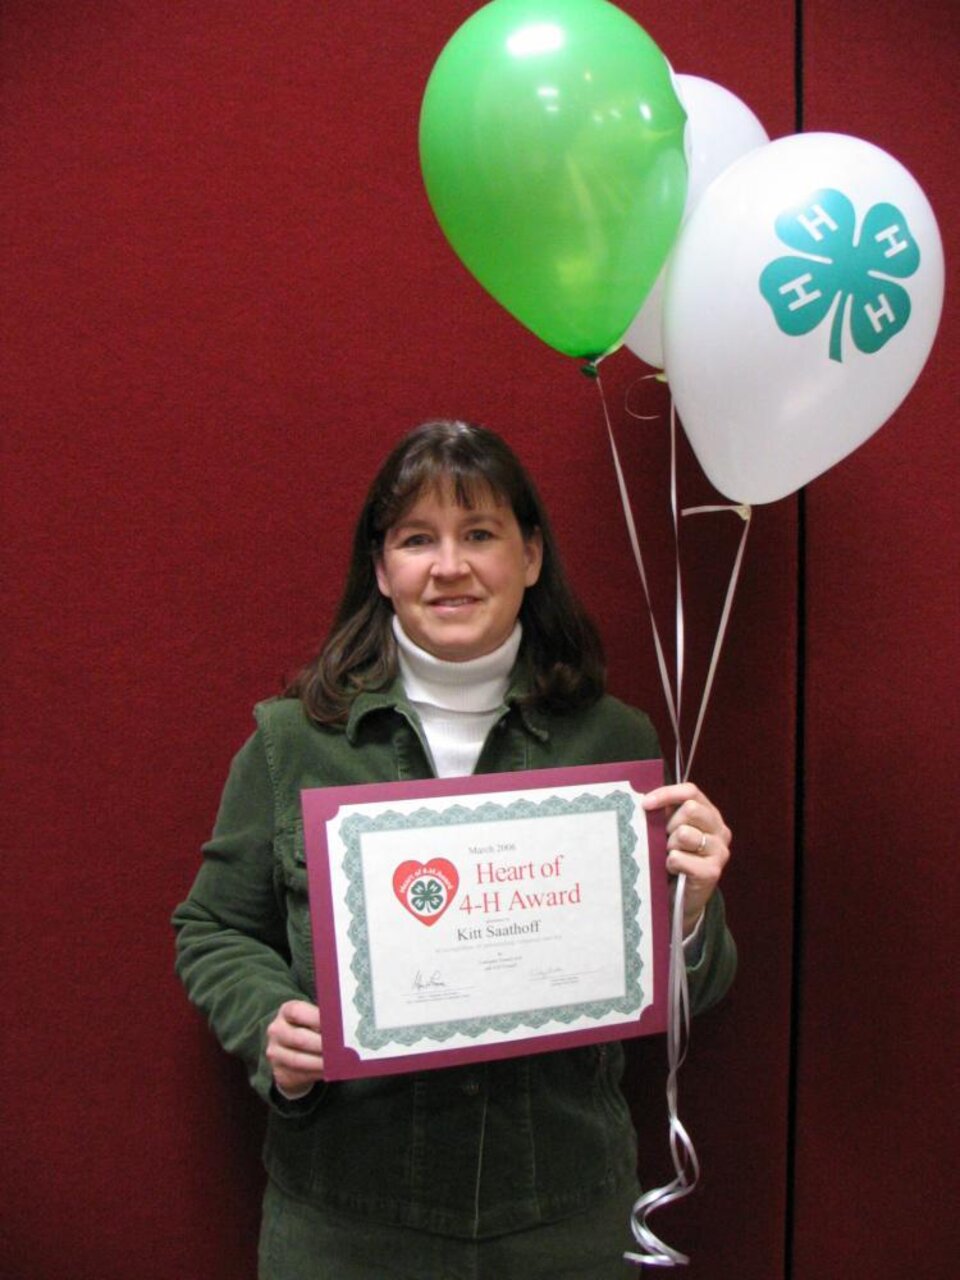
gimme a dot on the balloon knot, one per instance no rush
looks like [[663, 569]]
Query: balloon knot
[[590, 369]]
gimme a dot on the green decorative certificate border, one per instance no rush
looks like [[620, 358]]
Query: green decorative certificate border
[[356, 826]]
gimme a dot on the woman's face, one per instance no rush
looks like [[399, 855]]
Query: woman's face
[[456, 575]]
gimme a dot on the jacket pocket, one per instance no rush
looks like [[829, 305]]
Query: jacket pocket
[[291, 869]]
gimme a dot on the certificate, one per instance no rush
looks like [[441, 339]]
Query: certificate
[[484, 917]]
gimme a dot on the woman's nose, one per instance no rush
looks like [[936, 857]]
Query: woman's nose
[[450, 561]]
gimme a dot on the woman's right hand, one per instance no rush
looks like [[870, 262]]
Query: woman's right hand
[[295, 1048]]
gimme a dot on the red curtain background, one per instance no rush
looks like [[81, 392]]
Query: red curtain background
[[225, 297]]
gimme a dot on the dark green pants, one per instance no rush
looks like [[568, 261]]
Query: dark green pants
[[300, 1242]]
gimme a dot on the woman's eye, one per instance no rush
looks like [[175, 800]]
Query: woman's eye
[[479, 535], [415, 540]]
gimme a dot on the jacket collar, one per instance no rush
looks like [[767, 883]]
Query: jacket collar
[[393, 698]]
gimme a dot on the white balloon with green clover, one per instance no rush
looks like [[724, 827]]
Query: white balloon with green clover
[[801, 302]]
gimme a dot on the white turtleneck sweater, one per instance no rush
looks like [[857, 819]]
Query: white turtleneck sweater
[[457, 702]]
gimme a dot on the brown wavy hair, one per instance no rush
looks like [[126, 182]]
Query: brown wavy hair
[[561, 646]]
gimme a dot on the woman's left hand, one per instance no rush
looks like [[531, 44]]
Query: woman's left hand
[[698, 844]]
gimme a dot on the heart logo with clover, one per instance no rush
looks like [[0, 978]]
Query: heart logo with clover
[[853, 275], [426, 889]]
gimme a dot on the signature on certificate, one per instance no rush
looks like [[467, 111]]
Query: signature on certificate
[[421, 983]]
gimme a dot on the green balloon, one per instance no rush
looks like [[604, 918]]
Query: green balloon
[[551, 144]]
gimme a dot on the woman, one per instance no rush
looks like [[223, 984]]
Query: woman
[[458, 647]]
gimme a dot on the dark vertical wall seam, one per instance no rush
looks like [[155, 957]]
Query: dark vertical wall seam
[[799, 798], [798, 66]]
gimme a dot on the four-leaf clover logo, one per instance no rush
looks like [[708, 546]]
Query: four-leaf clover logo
[[425, 889], [854, 275], [426, 895]]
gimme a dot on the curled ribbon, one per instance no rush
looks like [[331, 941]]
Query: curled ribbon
[[652, 1251]]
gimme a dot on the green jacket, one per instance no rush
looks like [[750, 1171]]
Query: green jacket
[[467, 1151]]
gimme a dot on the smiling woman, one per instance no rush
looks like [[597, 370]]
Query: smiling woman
[[456, 575], [458, 648], [452, 472]]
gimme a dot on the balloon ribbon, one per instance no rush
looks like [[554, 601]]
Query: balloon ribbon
[[653, 1252]]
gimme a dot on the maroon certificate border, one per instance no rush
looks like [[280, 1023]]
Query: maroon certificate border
[[321, 804]]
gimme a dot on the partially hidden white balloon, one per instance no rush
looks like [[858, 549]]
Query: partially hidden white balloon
[[802, 299], [720, 129]]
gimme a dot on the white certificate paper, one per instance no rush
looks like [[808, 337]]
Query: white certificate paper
[[486, 916]]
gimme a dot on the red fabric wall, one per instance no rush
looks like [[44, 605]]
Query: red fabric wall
[[225, 297], [878, 1034]]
